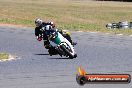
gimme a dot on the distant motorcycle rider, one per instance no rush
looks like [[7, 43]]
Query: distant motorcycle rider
[[41, 34]]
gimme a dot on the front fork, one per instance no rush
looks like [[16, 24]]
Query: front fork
[[60, 51]]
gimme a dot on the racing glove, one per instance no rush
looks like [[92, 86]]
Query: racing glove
[[38, 38]]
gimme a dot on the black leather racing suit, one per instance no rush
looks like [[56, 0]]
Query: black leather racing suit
[[43, 34]]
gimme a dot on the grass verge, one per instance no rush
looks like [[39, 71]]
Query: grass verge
[[85, 15], [4, 56]]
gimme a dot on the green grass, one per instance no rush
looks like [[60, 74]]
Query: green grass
[[67, 14], [4, 56]]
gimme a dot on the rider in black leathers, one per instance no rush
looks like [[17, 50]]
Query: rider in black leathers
[[40, 34]]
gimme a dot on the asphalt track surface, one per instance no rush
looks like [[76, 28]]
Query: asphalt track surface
[[97, 53]]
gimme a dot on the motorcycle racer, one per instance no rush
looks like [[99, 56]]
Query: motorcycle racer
[[40, 34]]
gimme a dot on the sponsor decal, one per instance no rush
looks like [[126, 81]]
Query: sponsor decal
[[82, 78]]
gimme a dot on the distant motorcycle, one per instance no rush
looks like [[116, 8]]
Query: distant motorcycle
[[61, 44], [120, 25]]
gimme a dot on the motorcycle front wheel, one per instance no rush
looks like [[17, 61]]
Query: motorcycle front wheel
[[68, 52]]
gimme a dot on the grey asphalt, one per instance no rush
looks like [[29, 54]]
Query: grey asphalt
[[97, 53]]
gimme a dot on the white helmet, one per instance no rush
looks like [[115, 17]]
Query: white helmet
[[38, 22]]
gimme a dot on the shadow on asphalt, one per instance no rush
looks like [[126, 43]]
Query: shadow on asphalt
[[41, 54], [53, 57], [59, 58]]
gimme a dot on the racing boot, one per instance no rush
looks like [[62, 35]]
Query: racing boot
[[52, 51]]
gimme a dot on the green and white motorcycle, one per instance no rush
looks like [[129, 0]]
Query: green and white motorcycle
[[61, 44]]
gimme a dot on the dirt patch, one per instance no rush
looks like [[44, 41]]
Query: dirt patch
[[12, 25]]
